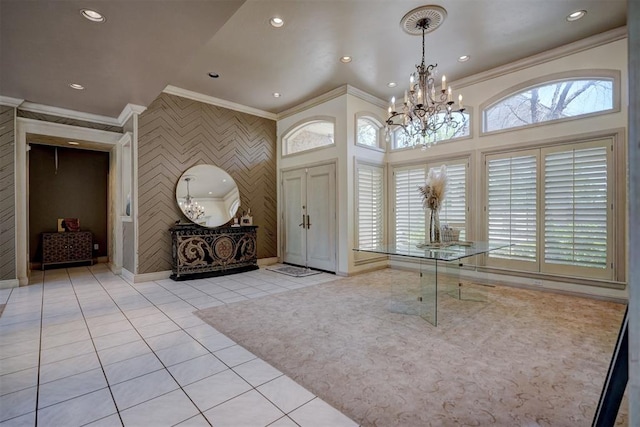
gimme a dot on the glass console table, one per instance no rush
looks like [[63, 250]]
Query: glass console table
[[422, 298]]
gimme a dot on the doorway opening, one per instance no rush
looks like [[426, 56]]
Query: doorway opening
[[67, 193]]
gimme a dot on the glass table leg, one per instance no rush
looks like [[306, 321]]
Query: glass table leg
[[429, 292]]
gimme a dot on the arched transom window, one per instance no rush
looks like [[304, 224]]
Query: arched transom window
[[308, 136], [553, 100]]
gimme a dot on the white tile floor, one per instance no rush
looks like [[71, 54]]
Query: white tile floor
[[81, 346]]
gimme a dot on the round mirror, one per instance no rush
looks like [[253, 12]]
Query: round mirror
[[207, 195]]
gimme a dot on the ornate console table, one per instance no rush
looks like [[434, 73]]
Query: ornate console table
[[199, 252]]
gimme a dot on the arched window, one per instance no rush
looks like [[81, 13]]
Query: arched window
[[368, 131], [311, 134], [558, 97], [445, 133]]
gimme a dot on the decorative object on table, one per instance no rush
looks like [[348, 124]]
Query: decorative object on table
[[427, 110], [127, 209], [448, 234], [235, 222], [433, 193], [68, 224], [246, 219]]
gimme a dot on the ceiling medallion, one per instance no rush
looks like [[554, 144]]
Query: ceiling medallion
[[426, 109]]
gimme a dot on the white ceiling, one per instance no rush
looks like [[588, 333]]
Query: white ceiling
[[146, 45]]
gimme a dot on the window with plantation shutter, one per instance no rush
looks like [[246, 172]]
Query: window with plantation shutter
[[409, 214], [512, 208], [370, 207], [454, 208], [411, 219], [576, 209], [553, 205]]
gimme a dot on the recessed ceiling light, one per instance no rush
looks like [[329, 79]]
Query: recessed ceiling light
[[213, 75], [578, 14], [392, 84], [92, 15], [76, 86], [73, 143], [345, 59], [277, 94], [210, 192], [276, 22], [463, 58]]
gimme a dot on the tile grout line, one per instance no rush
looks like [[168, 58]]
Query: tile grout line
[[170, 317], [95, 349], [152, 350], [254, 388], [39, 349], [286, 414]]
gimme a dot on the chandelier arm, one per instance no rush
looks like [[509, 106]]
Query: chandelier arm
[[426, 108]]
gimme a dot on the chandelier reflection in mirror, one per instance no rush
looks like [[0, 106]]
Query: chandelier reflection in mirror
[[428, 108], [190, 207]]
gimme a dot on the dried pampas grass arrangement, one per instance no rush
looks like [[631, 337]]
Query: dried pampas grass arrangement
[[435, 189], [433, 193]]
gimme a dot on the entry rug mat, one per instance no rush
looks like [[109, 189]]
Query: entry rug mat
[[290, 270]]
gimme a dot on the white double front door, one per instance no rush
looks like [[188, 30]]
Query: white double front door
[[309, 217]]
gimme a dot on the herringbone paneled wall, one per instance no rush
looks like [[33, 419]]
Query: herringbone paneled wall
[[176, 133], [7, 195]]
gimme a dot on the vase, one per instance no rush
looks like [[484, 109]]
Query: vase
[[434, 226]]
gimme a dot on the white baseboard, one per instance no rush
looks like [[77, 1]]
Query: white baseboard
[[147, 277], [264, 262], [115, 269], [127, 275], [11, 283], [150, 277]]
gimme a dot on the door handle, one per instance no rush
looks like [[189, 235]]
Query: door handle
[[303, 225], [308, 222]]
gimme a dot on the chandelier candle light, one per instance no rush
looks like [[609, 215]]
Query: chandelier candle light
[[190, 207], [427, 106]]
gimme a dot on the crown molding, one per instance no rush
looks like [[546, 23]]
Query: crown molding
[[10, 102], [540, 58], [128, 111], [68, 131], [70, 114], [320, 99], [358, 93], [195, 96]]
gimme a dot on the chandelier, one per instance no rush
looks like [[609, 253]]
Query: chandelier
[[190, 207], [428, 111]]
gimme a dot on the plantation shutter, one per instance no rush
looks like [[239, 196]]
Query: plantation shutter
[[454, 209], [512, 210], [409, 213], [576, 208], [370, 182]]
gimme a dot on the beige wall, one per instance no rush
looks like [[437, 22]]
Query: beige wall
[[176, 133], [7, 195]]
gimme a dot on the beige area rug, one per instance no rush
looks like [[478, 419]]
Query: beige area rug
[[522, 358]]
